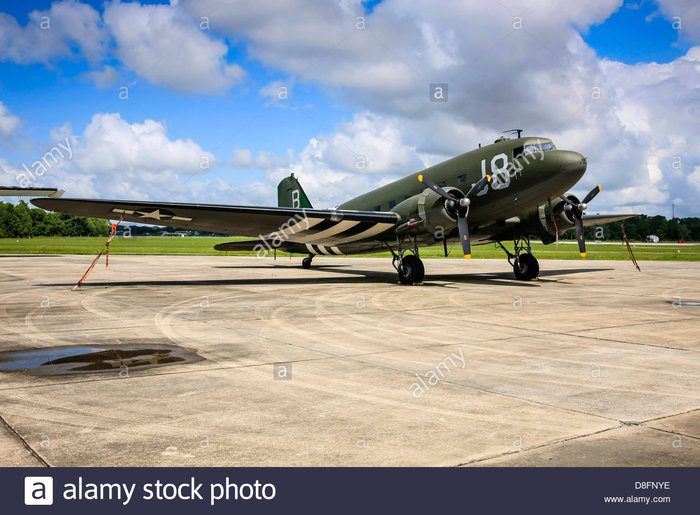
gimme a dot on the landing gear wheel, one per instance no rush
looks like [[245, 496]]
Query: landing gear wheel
[[306, 262], [411, 270], [526, 267]]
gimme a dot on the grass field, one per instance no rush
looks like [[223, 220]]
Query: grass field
[[204, 246]]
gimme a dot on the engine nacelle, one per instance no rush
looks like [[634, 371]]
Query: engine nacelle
[[438, 215], [560, 214], [547, 220]]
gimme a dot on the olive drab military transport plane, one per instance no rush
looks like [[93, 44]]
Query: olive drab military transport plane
[[512, 189]]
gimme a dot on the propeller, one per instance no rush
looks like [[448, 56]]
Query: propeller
[[462, 208], [577, 213]]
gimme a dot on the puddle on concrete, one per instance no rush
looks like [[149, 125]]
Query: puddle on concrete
[[94, 358]]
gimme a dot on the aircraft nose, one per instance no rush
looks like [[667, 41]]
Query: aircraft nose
[[572, 164]]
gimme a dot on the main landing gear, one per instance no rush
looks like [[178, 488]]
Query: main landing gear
[[406, 261], [525, 265]]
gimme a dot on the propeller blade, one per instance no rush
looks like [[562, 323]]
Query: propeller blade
[[591, 194], [580, 237], [444, 244], [464, 236], [462, 223], [478, 186], [430, 184], [566, 200]]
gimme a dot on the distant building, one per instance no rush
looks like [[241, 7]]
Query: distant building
[[652, 238], [176, 234]]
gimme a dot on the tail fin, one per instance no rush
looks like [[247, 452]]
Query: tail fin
[[291, 194]]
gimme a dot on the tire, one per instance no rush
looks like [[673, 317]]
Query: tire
[[526, 267], [411, 270], [306, 263]]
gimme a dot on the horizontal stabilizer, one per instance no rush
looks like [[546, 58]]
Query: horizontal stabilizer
[[252, 246], [16, 191], [238, 245]]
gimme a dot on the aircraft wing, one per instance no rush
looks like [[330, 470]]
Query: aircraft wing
[[15, 191], [604, 219], [319, 226]]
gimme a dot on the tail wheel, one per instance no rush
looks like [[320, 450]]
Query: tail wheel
[[306, 262], [526, 267], [411, 270]]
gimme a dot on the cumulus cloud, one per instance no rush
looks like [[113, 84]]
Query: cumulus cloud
[[244, 159], [325, 185], [386, 61], [8, 173], [163, 45], [114, 158], [278, 93], [64, 29], [368, 144], [646, 143], [694, 178], [9, 123], [685, 14], [315, 39], [506, 65], [358, 156], [104, 78], [112, 146]]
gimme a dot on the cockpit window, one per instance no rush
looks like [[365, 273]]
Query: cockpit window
[[538, 147]]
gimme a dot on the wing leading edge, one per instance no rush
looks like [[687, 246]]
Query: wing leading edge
[[320, 226], [16, 191], [604, 219]]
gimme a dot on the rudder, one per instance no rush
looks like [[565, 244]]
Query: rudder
[[291, 194]]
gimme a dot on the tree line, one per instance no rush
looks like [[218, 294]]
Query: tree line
[[639, 227], [21, 221]]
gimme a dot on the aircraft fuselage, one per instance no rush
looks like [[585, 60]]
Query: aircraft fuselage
[[526, 173]]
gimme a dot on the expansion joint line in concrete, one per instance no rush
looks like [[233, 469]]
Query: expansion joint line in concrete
[[542, 446], [24, 442], [577, 437]]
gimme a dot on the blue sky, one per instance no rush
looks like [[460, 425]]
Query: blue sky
[[237, 119], [349, 94], [636, 32]]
